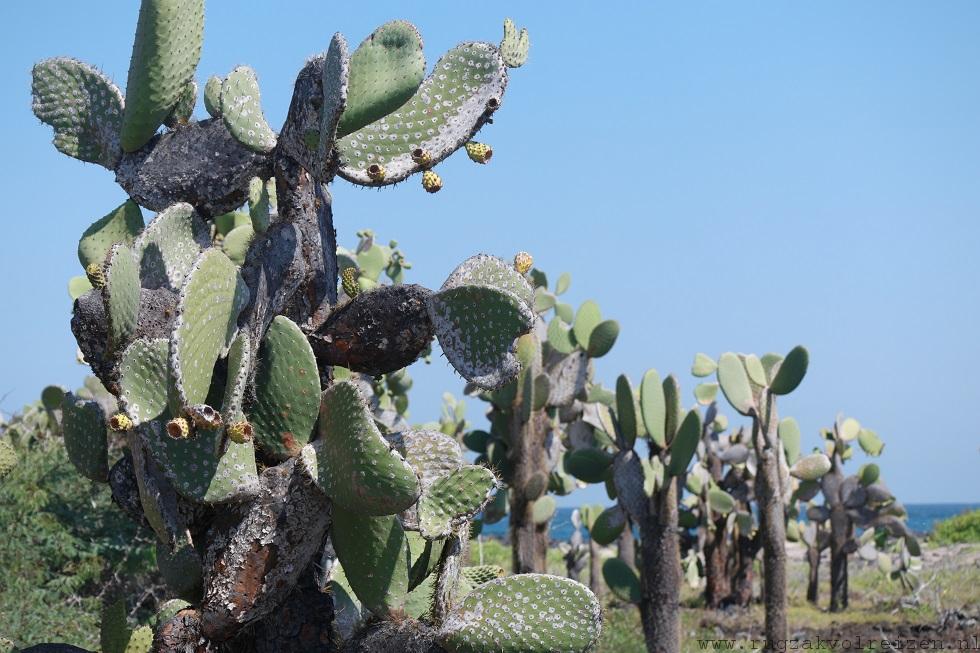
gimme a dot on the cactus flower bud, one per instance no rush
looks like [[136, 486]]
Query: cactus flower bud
[[376, 172], [421, 156], [479, 152], [178, 428], [348, 279], [431, 182], [95, 274], [120, 422], [523, 262], [240, 432]]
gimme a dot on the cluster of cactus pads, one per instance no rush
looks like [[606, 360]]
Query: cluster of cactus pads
[[261, 405]]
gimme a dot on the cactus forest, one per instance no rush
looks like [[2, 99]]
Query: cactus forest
[[248, 404]]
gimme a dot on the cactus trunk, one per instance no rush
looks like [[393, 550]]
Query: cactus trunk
[[529, 540], [626, 545], [841, 530], [813, 576], [660, 573], [743, 569], [717, 581], [773, 526]]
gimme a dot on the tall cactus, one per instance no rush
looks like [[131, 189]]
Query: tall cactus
[[237, 363]]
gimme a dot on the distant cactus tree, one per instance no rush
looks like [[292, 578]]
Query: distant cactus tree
[[534, 418], [751, 385], [255, 459]]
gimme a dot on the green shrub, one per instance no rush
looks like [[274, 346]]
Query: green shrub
[[964, 527]]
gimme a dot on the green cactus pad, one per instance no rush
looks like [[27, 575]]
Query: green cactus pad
[[810, 468], [514, 46], [479, 574], [465, 87], [587, 319], [261, 202], [235, 245], [622, 580], [122, 225], [626, 411], [335, 83], [206, 467], [478, 314], [78, 286], [212, 96], [353, 464], [169, 610], [589, 465], [181, 115], [870, 442], [653, 408], [84, 428], [241, 110], [121, 295], [376, 559], [453, 499], [226, 222], [868, 474], [560, 336], [790, 436], [114, 631], [791, 371], [432, 454], [685, 443], [167, 48], [706, 393], [703, 365], [385, 71], [143, 379], [734, 383], [8, 458], [720, 501], [543, 509], [608, 525], [287, 390], [239, 367], [603, 338], [211, 298], [169, 245], [140, 641], [181, 570], [82, 105], [527, 613]]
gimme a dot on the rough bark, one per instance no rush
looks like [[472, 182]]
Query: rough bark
[[813, 575], [717, 582], [529, 541], [182, 634], [595, 569], [743, 572], [253, 567], [302, 624], [447, 573], [772, 525], [377, 332], [626, 545], [841, 530], [660, 573]]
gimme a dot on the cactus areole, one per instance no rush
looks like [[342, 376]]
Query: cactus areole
[[219, 329]]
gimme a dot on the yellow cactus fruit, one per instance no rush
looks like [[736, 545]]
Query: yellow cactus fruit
[[523, 262], [203, 416], [431, 182], [120, 422], [178, 428], [348, 279], [95, 274], [421, 157], [240, 432], [376, 172], [479, 152]]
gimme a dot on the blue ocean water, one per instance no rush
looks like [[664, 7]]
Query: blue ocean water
[[922, 516]]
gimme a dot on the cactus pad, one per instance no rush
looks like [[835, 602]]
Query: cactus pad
[[376, 559], [169, 245], [353, 463], [122, 225], [734, 383], [287, 390], [121, 295], [528, 613], [143, 379], [385, 71], [790, 436], [212, 96], [514, 46], [205, 467], [235, 245], [84, 427], [212, 297], [811, 468], [791, 371], [454, 499], [181, 115], [684, 444], [167, 48], [335, 84], [449, 107], [431, 454], [622, 580], [478, 314], [653, 407], [241, 110], [82, 105], [239, 367]]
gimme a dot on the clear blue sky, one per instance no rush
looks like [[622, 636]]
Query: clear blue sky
[[718, 175]]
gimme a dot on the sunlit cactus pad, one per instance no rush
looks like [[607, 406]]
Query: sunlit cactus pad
[[212, 297], [431, 453], [375, 556], [527, 613], [122, 225], [287, 390], [241, 110], [143, 379], [454, 498], [169, 245], [169, 37], [121, 295], [82, 105], [353, 463], [450, 106]]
